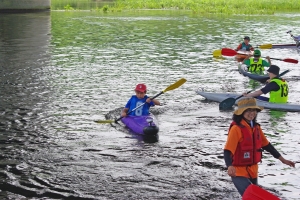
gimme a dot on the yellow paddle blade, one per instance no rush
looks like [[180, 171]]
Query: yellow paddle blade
[[217, 53], [175, 85], [105, 121], [265, 46]]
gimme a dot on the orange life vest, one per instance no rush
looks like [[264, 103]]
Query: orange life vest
[[248, 152]]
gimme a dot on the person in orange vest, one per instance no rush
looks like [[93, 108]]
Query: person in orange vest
[[244, 146]]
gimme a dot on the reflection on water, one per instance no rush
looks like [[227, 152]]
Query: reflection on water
[[62, 70]]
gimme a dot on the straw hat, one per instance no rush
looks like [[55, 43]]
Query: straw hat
[[246, 103]]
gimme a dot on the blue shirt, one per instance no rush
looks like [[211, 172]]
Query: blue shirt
[[134, 102]]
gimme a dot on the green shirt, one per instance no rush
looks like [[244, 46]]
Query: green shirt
[[264, 63]]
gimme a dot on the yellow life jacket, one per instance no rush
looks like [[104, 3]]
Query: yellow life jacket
[[280, 96], [256, 66]]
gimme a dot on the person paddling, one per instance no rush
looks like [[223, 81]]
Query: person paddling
[[245, 46], [244, 146], [277, 87], [256, 64], [138, 99]]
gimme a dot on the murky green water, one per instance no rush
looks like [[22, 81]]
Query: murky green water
[[60, 71]]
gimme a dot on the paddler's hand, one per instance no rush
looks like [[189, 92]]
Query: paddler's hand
[[231, 171], [123, 114], [287, 162], [148, 100], [245, 94], [269, 59]]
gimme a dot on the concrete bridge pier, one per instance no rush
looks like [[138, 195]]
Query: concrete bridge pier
[[24, 5]]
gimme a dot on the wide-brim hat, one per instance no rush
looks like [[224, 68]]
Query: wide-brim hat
[[246, 103]]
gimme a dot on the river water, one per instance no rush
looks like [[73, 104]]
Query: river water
[[60, 71]]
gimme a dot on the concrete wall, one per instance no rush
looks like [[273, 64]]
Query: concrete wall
[[24, 5]]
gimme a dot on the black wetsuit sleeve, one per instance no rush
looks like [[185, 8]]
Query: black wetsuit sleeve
[[227, 158], [270, 148], [272, 86]]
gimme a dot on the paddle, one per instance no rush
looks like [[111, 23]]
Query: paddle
[[217, 53], [265, 46], [231, 52], [220, 52], [171, 87], [229, 102]]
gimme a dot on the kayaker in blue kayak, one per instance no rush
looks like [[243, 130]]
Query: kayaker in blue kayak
[[244, 145], [137, 100], [277, 87], [245, 46], [257, 64]]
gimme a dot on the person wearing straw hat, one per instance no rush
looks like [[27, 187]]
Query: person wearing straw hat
[[244, 145], [245, 46], [277, 87]]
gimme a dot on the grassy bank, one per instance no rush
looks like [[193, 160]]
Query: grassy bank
[[79, 4], [215, 6], [197, 6]]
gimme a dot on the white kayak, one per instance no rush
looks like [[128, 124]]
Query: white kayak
[[219, 97]]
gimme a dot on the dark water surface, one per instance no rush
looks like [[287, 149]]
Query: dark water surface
[[60, 71]]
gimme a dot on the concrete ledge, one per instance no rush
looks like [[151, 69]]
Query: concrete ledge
[[24, 5]]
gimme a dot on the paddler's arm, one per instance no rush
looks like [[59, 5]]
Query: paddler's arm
[[271, 149], [247, 60], [228, 162], [227, 158], [239, 47], [155, 102], [272, 86], [124, 112], [269, 60], [253, 94]]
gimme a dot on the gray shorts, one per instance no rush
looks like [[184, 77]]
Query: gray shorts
[[241, 183]]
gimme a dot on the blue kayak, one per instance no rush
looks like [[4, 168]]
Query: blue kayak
[[143, 125], [257, 77]]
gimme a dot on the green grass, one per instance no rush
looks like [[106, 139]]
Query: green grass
[[248, 7], [215, 6]]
